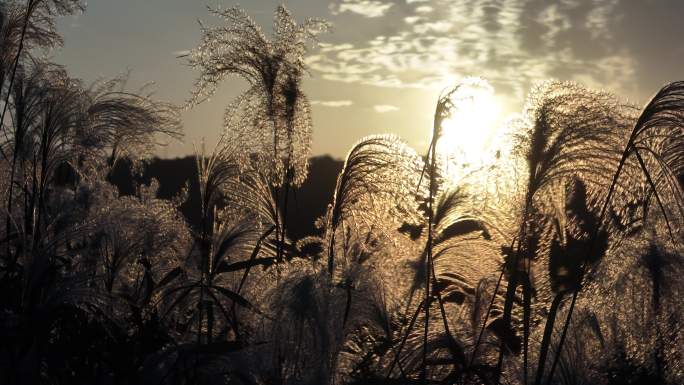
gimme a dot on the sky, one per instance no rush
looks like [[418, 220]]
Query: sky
[[383, 65]]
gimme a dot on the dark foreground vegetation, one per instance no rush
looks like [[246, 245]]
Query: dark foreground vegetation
[[558, 263]]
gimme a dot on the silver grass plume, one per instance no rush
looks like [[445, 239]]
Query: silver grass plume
[[651, 158], [120, 123], [273, 112], [571, 133], [23, 27], [379, 173]]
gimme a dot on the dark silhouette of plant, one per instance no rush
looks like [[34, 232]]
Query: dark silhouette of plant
[[37, 25], [451, 232], [68, 250], [654, 145], [272, 117], [572, 133], [571, 249], [224, 243], [375, 185]]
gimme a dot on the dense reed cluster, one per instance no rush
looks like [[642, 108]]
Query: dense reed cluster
[[558, 263]]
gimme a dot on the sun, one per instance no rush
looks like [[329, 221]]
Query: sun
[[468, 133]]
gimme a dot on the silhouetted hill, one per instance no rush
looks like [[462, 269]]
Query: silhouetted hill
[[307, 203], [312, 198]]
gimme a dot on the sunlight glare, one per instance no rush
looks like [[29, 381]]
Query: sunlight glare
[[469, 132]]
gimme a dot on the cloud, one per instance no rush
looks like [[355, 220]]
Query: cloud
[[332, 103], [384, 108], [616, 44], [367, 8]]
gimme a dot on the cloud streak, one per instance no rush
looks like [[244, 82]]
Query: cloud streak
[[367, 8], [385, 108], [332, 103], [513, 43]]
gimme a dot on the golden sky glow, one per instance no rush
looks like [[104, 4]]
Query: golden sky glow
[[384, 64]]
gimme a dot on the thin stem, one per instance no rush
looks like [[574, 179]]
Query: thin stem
[[562, 338], [403, 341], [546, 339], [15, 65], [489, 309], [429, 266]]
